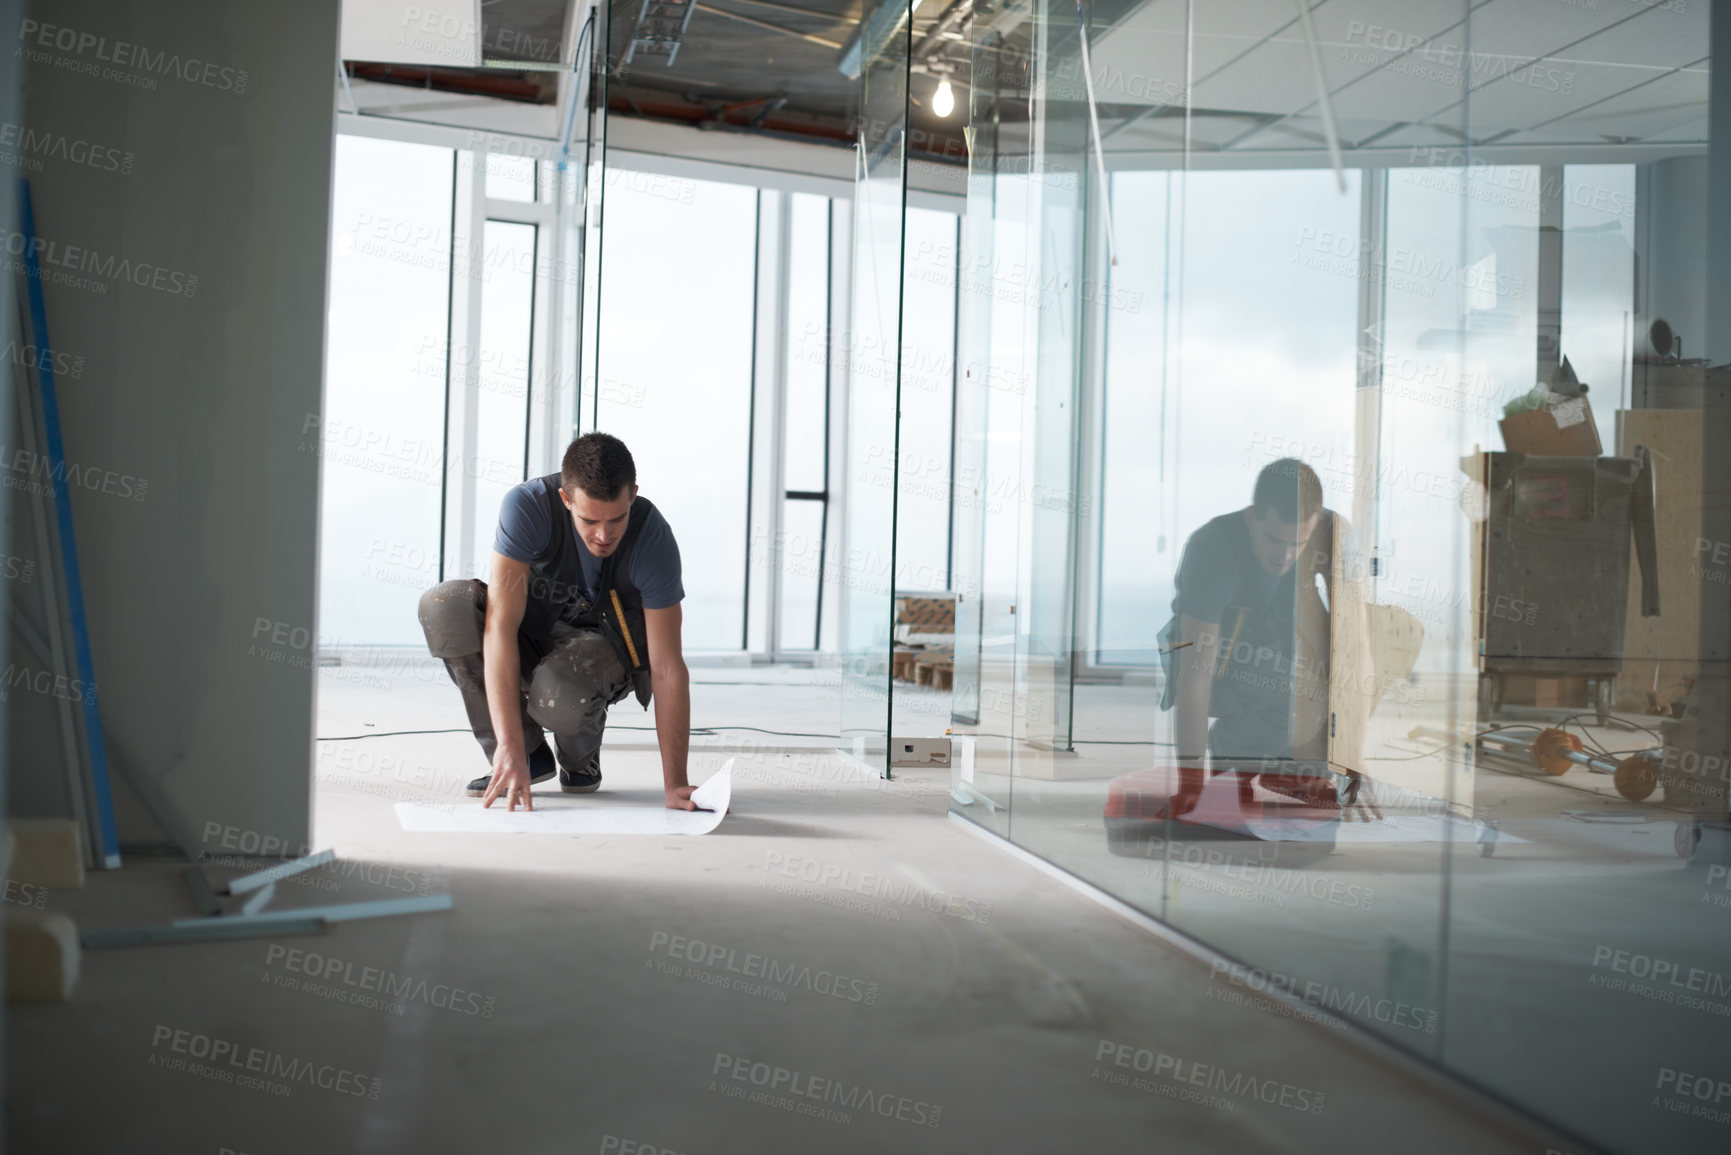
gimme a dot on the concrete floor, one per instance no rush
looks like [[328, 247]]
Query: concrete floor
[[1523, 954], [930, 992]]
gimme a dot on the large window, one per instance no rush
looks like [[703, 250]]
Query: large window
[[804, 543], [1457, 339], [675, 364], [443, 374], [441, 364], [503, 374], [928, 390], [382, 427], [1266, 363], [1128, 607], [1598, 290]]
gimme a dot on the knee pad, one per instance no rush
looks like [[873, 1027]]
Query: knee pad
[[580, 678], [452, 616]]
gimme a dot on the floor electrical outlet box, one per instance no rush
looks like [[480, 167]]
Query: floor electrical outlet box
[[919, 752]]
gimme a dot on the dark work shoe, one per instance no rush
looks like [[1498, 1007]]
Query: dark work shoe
[[541, 767], [584, 781]]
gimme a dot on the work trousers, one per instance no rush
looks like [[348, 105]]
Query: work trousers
[[569, 675]]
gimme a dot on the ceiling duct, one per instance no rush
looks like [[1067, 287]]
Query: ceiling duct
[[400, 32], [517, 35]]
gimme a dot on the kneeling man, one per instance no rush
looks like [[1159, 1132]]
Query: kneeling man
[[582, 609]]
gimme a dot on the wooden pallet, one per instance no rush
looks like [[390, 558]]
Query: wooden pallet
[[936, 671]]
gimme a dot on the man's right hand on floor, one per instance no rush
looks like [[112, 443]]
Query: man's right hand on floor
[[1191, 776], [679, 798], [510, 781], [1180, 803]]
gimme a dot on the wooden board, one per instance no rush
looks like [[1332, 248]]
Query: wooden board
[[1371, 646], [1666, 646]]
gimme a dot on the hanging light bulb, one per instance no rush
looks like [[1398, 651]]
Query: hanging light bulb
[[944, 102]]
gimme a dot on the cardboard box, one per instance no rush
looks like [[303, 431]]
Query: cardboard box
[[1562, 430], [46, 852], [927, 615]]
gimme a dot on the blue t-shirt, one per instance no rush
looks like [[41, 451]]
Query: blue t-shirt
[[526, 532], [1220, 581], [1219, 574]]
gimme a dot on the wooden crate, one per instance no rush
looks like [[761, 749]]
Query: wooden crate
[[1556, 693]]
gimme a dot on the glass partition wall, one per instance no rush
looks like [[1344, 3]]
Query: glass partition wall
[[867, 561], [1341, 545]]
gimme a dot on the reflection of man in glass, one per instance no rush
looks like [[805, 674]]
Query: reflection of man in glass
[[1252, 642]]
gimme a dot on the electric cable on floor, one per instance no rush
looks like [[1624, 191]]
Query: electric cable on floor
[[1449, 745], [1596, 746], [386, 734]]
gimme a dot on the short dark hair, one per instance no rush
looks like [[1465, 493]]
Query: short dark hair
[[1289, 489], [599, 465]]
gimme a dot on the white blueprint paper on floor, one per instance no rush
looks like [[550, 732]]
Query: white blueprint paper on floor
[[1218, 807], [550, 817]]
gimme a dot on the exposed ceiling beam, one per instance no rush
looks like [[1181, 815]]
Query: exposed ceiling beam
[[832, 17], [766, 25]]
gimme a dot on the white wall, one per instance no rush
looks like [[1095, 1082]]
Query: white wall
[[200, 403], [11, 73]]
